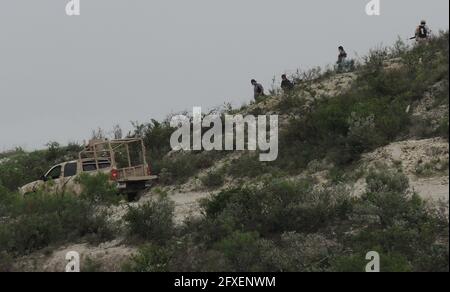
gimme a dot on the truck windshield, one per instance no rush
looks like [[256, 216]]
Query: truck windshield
[[55, 173]]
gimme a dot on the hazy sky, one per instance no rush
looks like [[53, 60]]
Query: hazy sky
[[124, 60]]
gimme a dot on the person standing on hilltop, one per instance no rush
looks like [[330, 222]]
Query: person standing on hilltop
[[344, 65], [422, 32], [342, 57], [258, 90], [286, 84]]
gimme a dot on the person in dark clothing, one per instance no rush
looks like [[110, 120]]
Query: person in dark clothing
[[344, 65], [286, 84], [258, 90], [422, 32], [342, 56]]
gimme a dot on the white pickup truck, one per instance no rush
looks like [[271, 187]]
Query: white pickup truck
[[123, 160]]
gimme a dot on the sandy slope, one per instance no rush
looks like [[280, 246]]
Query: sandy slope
[[110, 256], [411, 155]]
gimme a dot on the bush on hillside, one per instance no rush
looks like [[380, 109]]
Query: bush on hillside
[[214, 179], [37, 221], [179, 168], [405, 226], [281, 206], [98, 189], [153, 221], [6, 262], [247, 166], [150, 259]]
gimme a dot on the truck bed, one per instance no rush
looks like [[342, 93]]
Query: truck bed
[[135, 173]]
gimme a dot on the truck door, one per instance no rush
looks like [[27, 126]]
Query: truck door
[[69, 175], [53, 179]]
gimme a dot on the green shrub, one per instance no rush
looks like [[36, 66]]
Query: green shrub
[[293, 252], [150, 258], [443, 129], [379, 181], [247, 166], [431, 168], [98, 188], [405, 227], [178, 169], [387, 193], [6, 262], [181, 255], [435, 258], [152, 221], [279, 206], [307, 252], [40, 220], [416, 243], [291, 102], [423, 128], [91, 265], [214, 179], [241, 251], [8, 202]]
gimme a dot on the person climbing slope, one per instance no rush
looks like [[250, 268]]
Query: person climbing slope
[[258, 90]]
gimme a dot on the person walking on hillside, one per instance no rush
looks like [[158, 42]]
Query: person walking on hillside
[[286, 84], [423, 32], [258, 90]]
